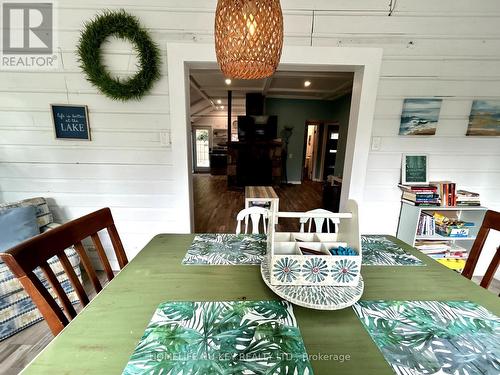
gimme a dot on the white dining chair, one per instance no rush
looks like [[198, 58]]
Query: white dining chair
[[319, 221], [255, 213]]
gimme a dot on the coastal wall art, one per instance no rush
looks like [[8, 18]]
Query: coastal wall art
[[484, 119], [420, 116]]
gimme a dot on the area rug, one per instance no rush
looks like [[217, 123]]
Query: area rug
[[381, 251], [226, 249], [237, 337], [431, 337]]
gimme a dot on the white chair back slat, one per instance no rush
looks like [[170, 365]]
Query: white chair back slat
[[255, 213], [319, 221]]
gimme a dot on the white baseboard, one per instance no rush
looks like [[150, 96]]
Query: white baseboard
[[294, 182]]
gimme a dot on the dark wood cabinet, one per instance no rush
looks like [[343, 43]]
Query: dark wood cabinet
[[254, 163]]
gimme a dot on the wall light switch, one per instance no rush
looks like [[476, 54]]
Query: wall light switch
[[165, 138], [290, 156], [376, 143]]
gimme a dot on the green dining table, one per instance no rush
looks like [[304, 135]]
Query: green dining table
[[102, 337]]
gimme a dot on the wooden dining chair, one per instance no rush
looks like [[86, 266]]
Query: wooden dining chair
[[255, 213], [491, 221], [24, 258], [318, 221]]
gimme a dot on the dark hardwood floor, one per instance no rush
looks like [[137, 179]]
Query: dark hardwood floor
[[216, 207]]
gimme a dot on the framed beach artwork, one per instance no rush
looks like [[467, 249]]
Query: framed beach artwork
[[484, 119], [420, 116]]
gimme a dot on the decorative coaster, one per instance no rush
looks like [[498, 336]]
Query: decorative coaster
[[315, 297], [431, 337], [237, 337], [381, 251], [226, 249]]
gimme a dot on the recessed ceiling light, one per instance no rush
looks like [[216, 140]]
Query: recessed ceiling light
[[221, 107], [307, 83], [228, 81], [219, 101]]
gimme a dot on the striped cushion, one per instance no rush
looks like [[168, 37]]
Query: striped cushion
[[17, 310], [10, 284], [42, 210]]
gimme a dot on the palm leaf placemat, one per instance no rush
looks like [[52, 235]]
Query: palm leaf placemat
[[233, 249], [381, 251], [226, 249], [431, 337], [238, 337]]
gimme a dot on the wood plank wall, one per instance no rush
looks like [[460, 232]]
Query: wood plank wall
[[446, 48]]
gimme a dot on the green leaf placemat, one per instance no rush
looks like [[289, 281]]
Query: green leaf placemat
[[226, 249], [431, 337], [238, 337], [381, 251]]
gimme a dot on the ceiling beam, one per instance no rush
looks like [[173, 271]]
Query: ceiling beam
[[341, 89], [285, 74], [267, 85], [341, 94], [217, 89], [202, 113], [198, 106], [201, 92], [280, 73]]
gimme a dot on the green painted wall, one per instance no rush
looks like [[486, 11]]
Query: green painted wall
[[295, 113]]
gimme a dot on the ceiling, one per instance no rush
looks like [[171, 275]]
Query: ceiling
[[209, 90]]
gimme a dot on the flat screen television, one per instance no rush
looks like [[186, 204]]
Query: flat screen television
[[259, 128]]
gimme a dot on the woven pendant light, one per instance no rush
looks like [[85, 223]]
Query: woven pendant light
[[248, 37]]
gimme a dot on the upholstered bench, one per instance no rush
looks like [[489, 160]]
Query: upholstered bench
[[17, 311]]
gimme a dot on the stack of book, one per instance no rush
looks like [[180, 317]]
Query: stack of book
[[421, 195], [447, 192], [451, 226], [447, 253], [433, 247], [467, 198], [426, 225]]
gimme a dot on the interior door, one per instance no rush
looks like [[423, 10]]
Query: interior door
[[332, 140], [201, 137]]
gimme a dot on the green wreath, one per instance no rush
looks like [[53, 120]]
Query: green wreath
[[125, 26]]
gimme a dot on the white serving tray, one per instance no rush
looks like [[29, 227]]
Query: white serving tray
[[315, 297]]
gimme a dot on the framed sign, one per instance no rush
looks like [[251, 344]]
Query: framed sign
[[71, 121], [415, 169]]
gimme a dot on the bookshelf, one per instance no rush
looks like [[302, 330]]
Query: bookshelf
[[410, 215]]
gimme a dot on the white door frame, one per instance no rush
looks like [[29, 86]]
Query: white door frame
[[364, 62]]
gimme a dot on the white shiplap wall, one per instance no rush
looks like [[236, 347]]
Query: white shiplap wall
[[446, 48]]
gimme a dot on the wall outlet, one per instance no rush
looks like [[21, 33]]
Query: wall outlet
[[376, 143], [165, 138]]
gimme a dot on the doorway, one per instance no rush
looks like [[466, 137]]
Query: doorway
[[331, 150], [363, 62], [201, 148], [311, 151], [321, 151]]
